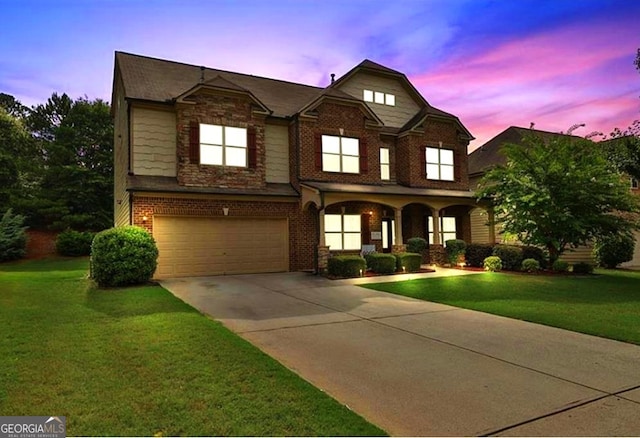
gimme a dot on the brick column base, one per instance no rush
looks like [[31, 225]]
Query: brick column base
[[398, 248], [437, 254], [323, 259]]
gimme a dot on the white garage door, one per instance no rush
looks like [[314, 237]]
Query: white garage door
[[196, 246]]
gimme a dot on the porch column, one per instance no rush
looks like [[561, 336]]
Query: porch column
[[492, 226], [323, 249], [435, 215], [321, 241], [398, 222]]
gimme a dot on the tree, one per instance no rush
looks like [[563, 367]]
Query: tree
[[13, 106], [637, 61], [558, 194], [622, 148]]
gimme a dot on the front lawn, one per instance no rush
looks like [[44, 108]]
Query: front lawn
[[138, 361], [606, 304]]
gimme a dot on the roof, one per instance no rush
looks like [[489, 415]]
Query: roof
[[488, 155], [387, 189]]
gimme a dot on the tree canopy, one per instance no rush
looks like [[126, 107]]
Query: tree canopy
[[558, 194]]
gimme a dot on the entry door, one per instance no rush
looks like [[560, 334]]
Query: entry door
[[388, 225]]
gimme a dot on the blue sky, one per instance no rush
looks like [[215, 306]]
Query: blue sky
[[492, 63]]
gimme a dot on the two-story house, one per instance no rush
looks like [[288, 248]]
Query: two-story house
[[234, 173]]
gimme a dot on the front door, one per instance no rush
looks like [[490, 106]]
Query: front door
[[388, 225]]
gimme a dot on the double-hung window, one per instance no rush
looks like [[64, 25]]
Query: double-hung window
[[223, 145], [340, 154], [447, 229], [342, 231], [384, 164], [439, 164]]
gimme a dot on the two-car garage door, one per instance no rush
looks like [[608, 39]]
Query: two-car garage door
[[198, 246]]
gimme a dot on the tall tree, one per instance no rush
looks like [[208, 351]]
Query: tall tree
[[558, 194]]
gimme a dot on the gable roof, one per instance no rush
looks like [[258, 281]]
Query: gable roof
[[488, 155]]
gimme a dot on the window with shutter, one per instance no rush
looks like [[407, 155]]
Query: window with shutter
[[341, 154], [224, 145]]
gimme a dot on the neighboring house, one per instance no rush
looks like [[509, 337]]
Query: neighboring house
[[487, 156], [233, 173]]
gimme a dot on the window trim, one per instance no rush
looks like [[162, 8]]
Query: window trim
[[224, 146], [439, 164], [342, 232], [385, 165], [340, 154]]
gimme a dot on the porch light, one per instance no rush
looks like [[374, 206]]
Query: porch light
[[360, 272], [370, 212], [144, 219], [403, 270]]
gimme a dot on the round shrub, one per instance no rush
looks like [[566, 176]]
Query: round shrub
[[123, 256], [560, 266], [409, 261], [348, 266], [455, 250], [381, 263], [13, 237], [612, 250], [510, 255], [533, 252], [416, 245], [492, 264], [530, 265], [72, 243], [583, 268], [475, 253]]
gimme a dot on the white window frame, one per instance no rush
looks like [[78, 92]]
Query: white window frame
[[447, 232], [343, 156], [379, 97], [222, 144], [385, 168], [436, 166], [335, 237]]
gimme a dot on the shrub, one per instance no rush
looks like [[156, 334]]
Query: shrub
[[533, 252], [74, 243], [123, 256], [409, 260], [510, 255], [492, 263], [455, 249], [612, 250], [530, 265], [381, 263], [475, 253], [583, 268], [560, 266], [416, 245], [13, 236], [347, 266]]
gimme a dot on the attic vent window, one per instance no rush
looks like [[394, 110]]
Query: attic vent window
[[379, 97]]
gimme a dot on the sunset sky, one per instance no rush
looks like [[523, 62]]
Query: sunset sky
[[492, 63]]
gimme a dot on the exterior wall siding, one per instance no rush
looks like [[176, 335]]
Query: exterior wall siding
[[276, 139], [153, 135], [121, 157], [394, 116]]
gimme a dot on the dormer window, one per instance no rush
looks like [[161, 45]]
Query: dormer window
[[223, 145], [379, 97]]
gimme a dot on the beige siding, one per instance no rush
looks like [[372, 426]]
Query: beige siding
[[479, 227], [154, 142], [635, 262], [276, 139], [579, 254], [120, 158], [394, 116]]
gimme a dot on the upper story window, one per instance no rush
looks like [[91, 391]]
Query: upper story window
[[439, 164], [340, 154], [379, 97], [342, 231], [384, 164], [223, 145], [634, 183]]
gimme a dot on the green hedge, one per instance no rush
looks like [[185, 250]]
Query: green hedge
[[348, 266], [455, 249], [416, 245], [381, 263], [13, 236], [476, 253], [533, 252], [583, 268], [493, 264], [560, 266], [74, 243], [511, 256], [612, 250], [530, 265], [411, 261]]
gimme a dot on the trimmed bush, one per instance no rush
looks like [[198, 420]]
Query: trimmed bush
[[123, 256], [74, 243], [455, 249], [612, 250], [492, 264], [410, 260], [381, 263], [416, 245], [347, 266], [560, 266], [583, 268], [530, 265], [475, 253], [533, 252], [510, 255], [13, 236]]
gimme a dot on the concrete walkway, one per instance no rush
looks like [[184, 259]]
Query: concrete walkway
[[417, 368]]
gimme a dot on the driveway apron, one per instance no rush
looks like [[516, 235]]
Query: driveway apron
[[418, 368]]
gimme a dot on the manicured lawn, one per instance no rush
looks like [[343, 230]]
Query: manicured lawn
[[606, 304], [138, 361]]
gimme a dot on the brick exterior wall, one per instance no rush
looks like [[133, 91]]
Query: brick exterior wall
[[302, 224]]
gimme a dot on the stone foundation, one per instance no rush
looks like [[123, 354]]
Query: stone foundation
[[323, 259]]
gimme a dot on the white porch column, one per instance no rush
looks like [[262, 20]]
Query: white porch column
[[321, 241], [492, 226], [435, 215], [398, 222]]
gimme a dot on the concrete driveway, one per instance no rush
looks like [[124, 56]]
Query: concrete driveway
[[416, 368]]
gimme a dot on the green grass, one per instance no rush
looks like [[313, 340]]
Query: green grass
[[138, 361], [606, 304]]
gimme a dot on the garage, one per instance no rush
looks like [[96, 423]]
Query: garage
[[199, 246]]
